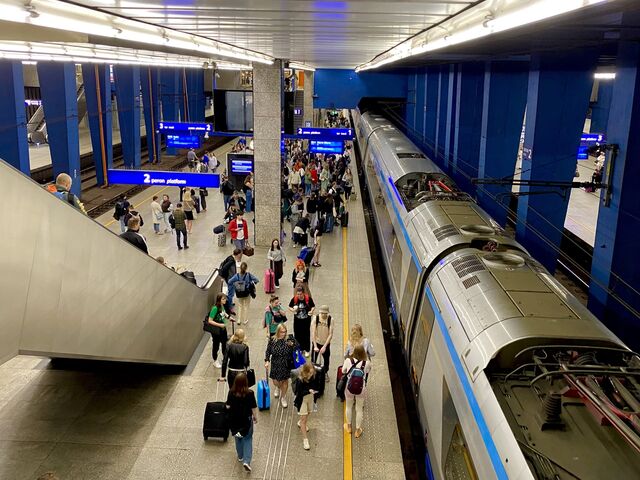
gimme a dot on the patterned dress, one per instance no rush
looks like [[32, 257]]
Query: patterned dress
[[280, 354]]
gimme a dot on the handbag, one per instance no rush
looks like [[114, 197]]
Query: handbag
[[248, 251], [298, 358], [251, 377]]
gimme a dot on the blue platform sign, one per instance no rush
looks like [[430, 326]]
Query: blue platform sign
[[163, 178], [325, 133], [190, 127], [184, 141], [588, 140], [325, 146], [241, 167]]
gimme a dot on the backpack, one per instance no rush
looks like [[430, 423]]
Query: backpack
[[355, 384], [120, 210], [328, 320], [172, 221], [242, 287], [65, 196]]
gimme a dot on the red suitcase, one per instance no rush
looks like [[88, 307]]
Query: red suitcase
[[269, 281]]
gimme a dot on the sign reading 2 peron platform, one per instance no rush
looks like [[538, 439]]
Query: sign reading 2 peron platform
[[164, 127], [325, 133], [163, 178]]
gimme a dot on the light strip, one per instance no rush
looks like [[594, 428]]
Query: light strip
[[301, 66], [33, 52], [61, 15], [485, 19], [604, 76]]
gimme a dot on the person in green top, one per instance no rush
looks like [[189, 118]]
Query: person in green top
[[217, 320], [274, 315]]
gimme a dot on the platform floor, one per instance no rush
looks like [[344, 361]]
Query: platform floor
[[582, 214], [80, 420]]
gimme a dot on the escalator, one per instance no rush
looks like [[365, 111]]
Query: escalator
[[71, 288], [37, 124]]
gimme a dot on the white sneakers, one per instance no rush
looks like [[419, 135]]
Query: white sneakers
[[305, 444], [276, 392], [217, 364], [283, 402]]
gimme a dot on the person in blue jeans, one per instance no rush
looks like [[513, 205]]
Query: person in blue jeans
[[248, 191], [242, 412]]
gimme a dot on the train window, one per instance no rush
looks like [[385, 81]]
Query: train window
[[419, 187], [420, 335], [459, 464], [396, 265], [407, 293]]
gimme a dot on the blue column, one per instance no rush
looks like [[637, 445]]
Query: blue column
[[127, 80], [442, 115], [600, 109], [13, 119], [431, 112], [97, 90], [504, 101], [183, 91], [410, 113], [615, 253], [466, 146], [59, 93], [169, 96], [558, 98], [195, 82], [420, 103], [451, 111], [151, 108]]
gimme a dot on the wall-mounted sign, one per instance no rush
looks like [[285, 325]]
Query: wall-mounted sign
[[184, 141], [163, 178], [325, 133], [588, 140], [241, 166], [165, 127]]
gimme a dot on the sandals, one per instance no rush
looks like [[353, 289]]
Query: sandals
[[347, 427], [358, 433]]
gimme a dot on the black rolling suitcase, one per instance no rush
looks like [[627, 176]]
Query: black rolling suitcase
[[319, 381], [344, 220], [216, 423]]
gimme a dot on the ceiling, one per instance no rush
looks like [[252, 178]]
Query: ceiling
[[326, 34]]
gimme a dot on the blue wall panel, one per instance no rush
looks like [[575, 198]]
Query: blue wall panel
[[336, 88], [127, 78]]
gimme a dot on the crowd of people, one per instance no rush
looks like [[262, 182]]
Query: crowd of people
[[298, 333]]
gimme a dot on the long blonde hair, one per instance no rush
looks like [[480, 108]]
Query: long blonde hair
[[238, 336], [356, 335], [307, 372], [278, 330], [186, 196]]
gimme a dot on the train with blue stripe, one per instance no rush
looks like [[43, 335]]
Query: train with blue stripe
[[513, 376]]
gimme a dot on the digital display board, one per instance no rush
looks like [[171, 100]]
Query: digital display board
[[325, 146], [184, 141], [165, 127], [163, 178], [588, 140], [240, 163]]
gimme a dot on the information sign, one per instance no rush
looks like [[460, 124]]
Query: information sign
[[325, 146], [184, 141], [588, 140], [163, 178], [325, 133], [164, 127]]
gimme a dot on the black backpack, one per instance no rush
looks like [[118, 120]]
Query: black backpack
[[120, 210], [172, 221]]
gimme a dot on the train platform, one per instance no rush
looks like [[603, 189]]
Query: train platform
[[116, 421]]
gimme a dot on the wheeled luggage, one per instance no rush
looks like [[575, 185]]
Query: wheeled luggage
[[264, 395], [328, 224], [269, 281], [306, 254], [196, 204], [344, 220], [219, 229], [340, 386], [216, 423], [222, 239], [319, 380]]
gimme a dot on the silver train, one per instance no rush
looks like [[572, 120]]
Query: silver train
[[514, 377]]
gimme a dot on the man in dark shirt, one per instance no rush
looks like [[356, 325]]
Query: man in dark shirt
[[133, 237]]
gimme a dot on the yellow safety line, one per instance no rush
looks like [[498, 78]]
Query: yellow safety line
[[347, 464], [111, 222]]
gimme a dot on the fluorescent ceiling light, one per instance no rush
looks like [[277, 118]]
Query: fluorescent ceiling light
[[87, 53], [485, 19], [604, 76], [301, 66], [232, 66], [62, 15]]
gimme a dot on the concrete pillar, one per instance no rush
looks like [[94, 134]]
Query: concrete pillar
[[557, 101], [127, 80], [466, 143], [613, 293], [60, 102], [504, 101], [307, 109], [13, 120], [151, 106], [97, 88], [267, 124]]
